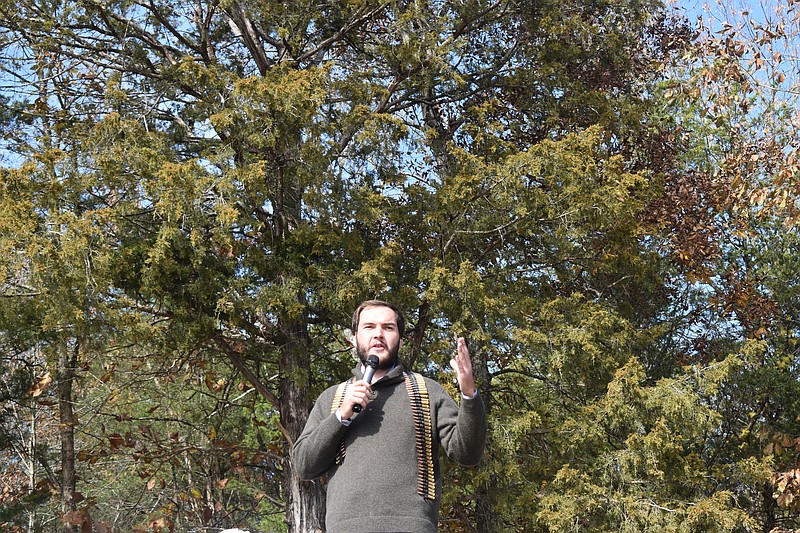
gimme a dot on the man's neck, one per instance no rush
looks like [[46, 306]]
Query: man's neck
[[379, 373]]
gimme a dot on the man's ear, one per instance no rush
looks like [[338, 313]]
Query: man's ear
[[350, 337]]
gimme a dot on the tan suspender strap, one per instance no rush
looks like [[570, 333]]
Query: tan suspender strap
[[338, 398], [421, 408]]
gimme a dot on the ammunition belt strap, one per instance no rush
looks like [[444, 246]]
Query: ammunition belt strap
[[338, 398], [421, 408]]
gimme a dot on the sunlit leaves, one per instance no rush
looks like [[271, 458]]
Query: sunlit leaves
[[236, 177], [745, 79]]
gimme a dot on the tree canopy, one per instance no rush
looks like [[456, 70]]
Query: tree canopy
[[600, 195]]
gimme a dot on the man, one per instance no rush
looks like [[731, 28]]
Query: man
[[382, 463]]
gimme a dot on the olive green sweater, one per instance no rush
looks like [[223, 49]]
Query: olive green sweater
[[375, 488]]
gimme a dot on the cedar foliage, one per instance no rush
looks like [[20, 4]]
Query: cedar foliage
[[195, 197]]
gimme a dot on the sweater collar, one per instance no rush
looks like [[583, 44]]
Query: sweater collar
[[395, 373]]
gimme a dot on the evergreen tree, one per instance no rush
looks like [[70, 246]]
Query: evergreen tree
[[197, 196]]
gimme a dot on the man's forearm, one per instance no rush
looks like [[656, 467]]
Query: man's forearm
[[315, 450]]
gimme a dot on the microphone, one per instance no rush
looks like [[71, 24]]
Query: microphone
[[371, 365]]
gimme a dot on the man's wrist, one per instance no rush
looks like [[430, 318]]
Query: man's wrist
[[468, 396], [343, 421]]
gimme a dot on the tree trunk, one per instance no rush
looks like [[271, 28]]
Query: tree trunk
[[67, 363], [305, 501], [32, 468], [770, 508], [484, 495], [446, 166]]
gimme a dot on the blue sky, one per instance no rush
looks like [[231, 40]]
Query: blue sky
[[720, 10]]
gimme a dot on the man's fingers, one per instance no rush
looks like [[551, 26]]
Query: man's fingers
[[358, 396], [462, 353]]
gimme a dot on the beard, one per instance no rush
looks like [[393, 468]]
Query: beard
[[384, 364]]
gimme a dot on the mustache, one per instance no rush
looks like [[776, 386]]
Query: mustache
[[363, 352]]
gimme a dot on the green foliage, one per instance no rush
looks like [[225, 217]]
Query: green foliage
[[196, 199]]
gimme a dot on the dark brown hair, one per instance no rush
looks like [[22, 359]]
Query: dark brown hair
[[401, 320]]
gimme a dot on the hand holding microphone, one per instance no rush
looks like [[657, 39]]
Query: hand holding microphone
[[371, 365]]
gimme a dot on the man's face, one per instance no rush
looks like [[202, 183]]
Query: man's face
[[378, 335]]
